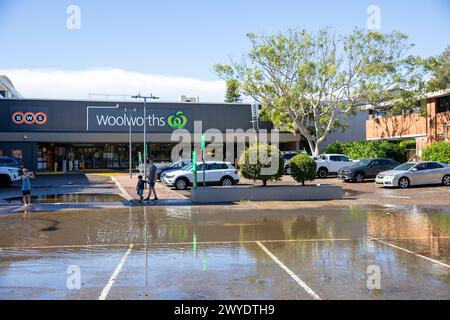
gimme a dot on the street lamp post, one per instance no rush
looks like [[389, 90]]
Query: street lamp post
[[139, 96], [130, 145]]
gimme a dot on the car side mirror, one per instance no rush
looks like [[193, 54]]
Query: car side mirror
[[414, 170]]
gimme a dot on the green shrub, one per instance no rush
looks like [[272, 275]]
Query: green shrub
[[369, 149], [256, 165], [408, 144], [303, 168], [337, 148], [440, 151]]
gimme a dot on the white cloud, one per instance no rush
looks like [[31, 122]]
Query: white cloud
[[62, 84]]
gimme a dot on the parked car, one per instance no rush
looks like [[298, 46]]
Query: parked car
[[171, 167], [331, 164], [11, 162], [8, 175], [216, 173], [413, 173], [288, 155], [366, 169]]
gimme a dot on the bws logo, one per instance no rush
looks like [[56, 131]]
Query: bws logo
[[177, 121], [29, 118]]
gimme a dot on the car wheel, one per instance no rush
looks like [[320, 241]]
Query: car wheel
[[403, 183], [226, 182], [5, 181], [359, 177], [446, 180], [181, 184], [322, 173], [288, 170]]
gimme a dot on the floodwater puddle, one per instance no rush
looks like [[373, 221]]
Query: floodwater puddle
[[71, 198]]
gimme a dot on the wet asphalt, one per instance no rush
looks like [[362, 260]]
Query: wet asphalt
[[222, 253]]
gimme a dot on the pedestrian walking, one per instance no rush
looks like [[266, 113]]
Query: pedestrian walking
[[140, 187], [26, 186], [151, 180]]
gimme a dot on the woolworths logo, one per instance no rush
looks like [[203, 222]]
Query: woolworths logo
[[177, 121]]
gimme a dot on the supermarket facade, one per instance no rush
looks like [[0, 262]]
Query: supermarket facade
[[52, 135]]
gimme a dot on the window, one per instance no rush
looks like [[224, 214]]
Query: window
[[217, 166], [335, 158], [3, 93], [443, 104], [7, 162], [385, 162], [421, 167], [289, 156], [434, 165]]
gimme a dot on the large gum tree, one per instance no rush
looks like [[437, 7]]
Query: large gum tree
[[310, 83]]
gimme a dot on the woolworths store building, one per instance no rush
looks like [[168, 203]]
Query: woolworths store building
[[95, 134]]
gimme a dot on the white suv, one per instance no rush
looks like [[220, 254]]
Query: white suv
[[331, 163], [216, 173], [8, 175]]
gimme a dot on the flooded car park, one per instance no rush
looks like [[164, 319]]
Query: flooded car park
[[222, 253]]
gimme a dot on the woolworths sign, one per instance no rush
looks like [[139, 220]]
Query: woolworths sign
[[117, 119]]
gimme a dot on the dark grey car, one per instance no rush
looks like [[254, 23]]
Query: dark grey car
[[366, 169]]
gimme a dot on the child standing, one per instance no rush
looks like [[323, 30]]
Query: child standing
[[26, 186], [140, 187]]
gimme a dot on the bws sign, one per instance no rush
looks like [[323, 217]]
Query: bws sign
[[29, 118], [115, 119]]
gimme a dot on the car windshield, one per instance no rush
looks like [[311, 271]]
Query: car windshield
[[187, 167], [405, 166]]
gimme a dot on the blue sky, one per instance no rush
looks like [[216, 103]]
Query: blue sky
[[186, 38]]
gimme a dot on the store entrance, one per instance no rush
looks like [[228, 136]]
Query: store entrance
[[79, 157]]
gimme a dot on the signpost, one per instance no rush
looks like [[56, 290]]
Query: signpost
[[203, 159]]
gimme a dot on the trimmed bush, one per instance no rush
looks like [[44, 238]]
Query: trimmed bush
[[369, 149], [337, 148], [303, 168], [408, 144], [440, 151], [255, 164]]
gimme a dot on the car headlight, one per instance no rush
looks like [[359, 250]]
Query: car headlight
[[168, 176], [13, 170]]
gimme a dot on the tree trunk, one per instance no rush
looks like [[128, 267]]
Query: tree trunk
[[265, 183]]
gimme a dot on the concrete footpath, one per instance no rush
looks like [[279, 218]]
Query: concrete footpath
[[128, 188]]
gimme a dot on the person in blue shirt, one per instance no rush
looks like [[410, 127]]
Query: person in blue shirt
[[26, 186]]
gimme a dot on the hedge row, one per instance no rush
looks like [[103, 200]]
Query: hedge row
[[371, 149], [439, 151]]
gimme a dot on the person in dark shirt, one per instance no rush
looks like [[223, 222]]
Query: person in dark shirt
[[140, 188], [152, 180]]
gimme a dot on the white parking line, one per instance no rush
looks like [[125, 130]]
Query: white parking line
[[397, 197], [113, 278], [289, 272], [411, 252], [123, 191]]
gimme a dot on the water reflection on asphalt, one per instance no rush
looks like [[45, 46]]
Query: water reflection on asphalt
[[211, 253]]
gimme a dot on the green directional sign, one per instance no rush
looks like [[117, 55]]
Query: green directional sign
[[203, 143], [194, 167]]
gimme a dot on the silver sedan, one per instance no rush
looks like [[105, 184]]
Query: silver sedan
[[415, 173]]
